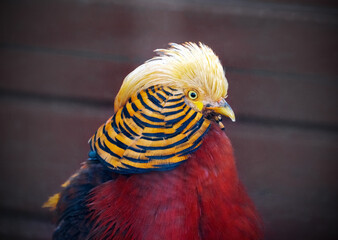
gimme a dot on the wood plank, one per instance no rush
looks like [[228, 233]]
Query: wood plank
[[16, 227], [61, 75], [317, 3], [290, 175], [252, 94], [289, 172], [300, 99], [45, 142], [249, 42]]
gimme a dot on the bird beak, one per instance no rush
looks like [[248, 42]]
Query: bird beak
[[224, 109]]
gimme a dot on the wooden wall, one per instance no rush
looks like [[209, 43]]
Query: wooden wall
[[62, 63]]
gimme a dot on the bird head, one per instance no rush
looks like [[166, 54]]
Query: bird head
[[192, 69], [163, 110]]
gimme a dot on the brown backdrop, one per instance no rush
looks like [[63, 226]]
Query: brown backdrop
[[62, 62]]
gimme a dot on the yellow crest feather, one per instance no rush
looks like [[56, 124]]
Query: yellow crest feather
[[52, 202], [183, 66]]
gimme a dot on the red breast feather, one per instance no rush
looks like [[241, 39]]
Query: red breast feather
[[201, 199]]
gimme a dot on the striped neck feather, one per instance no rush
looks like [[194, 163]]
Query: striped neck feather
[[154, 131]]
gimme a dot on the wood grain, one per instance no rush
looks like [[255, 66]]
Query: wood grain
[[62, 63], [134, 32]]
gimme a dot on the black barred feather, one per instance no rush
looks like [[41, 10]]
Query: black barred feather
[[72, 209], [155, 130]]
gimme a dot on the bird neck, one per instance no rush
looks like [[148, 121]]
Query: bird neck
[[155, 131], [200, 199]]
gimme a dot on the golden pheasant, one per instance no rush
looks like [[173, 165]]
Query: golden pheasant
[[161, 167]]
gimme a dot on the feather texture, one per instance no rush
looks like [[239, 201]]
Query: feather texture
[[155, 130], [182, 66], [201, 199], [161, 120]]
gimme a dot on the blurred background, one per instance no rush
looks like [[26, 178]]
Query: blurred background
[[62, 63]]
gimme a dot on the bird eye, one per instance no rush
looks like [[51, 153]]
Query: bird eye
[[192, 94]]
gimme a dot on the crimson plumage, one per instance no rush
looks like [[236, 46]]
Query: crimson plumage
[[203, 198], [161, 167]]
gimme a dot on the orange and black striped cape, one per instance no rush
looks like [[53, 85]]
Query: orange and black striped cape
[[155, 130]]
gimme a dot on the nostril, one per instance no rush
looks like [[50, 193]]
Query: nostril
[[221, 100], [208, 105]]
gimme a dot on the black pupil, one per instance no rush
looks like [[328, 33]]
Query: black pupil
[[192, 94]]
